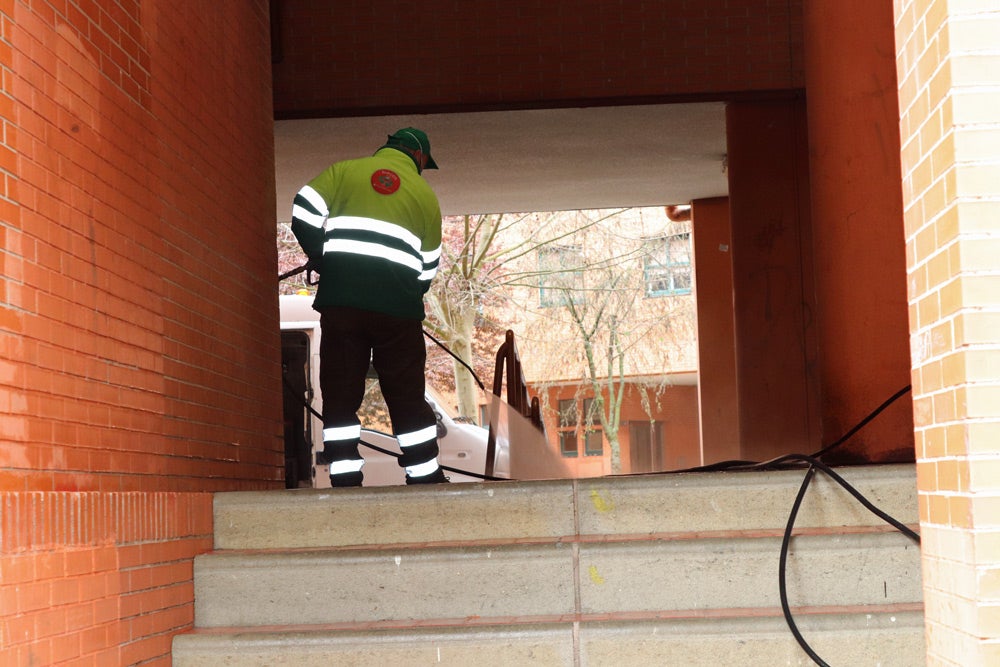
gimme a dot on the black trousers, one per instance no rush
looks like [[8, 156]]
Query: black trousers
[[395, 347]]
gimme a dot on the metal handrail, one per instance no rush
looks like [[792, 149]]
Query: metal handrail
[[517, 393]]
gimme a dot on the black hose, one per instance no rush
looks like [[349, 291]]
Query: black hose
[[782, 561], [857, 427], [815, 464], [777, 461], [457, 358], [309, 268]]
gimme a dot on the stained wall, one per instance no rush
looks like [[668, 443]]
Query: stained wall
[[139, 357]]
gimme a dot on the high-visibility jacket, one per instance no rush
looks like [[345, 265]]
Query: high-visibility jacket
[[374, 226]]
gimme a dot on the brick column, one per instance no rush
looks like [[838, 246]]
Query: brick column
[[718, 387], [772, 278], [856, 209], [948, 64]]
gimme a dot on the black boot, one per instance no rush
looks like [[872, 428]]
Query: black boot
[[347, 479], [436, 477]]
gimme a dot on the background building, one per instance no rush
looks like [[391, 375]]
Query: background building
[[605, 306]]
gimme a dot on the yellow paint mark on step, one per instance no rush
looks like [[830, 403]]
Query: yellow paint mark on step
[[595, 576], [600, 503]]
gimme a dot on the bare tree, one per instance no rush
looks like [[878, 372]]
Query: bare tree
[[469, 301], [468, 281]]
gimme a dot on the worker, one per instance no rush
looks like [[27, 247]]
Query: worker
[[371, 228]]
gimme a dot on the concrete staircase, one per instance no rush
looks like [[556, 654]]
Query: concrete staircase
[[677, 569]]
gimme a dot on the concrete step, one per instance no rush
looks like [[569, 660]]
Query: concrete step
[[676, 569], [452, 584], [871, 640], [685, 503]]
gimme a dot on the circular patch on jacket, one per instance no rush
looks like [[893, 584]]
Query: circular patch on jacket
[[385, 181]]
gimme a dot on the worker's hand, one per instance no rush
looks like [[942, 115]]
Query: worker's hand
[[313, 266]]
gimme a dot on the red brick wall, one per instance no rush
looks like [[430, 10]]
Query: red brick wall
[[142, 348], [358, 56], [139, 356], [98, 578]]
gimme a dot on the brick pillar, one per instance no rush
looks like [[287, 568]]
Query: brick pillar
[[773, 293], [948, 65], [718, 391], [857, 222]]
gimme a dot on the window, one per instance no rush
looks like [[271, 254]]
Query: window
[[593, 436], [667, 269], [567, 428], [567, 444], [560, 275], [569, 423], [594, 443]]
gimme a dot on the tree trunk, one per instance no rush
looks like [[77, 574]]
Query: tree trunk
[[616, 452], [465, 385]]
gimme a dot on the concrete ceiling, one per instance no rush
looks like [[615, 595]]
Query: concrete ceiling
[[532, 160]]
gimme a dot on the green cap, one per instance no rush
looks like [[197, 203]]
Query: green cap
[[415, 141]]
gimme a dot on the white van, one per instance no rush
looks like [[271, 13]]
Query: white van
[[463, 446]]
